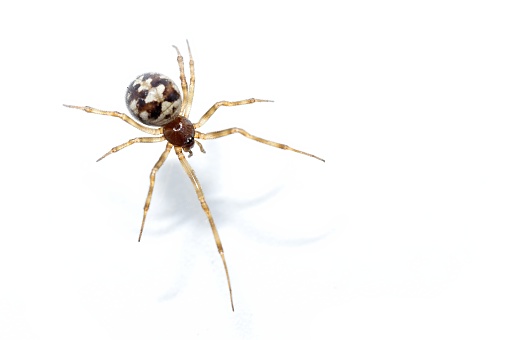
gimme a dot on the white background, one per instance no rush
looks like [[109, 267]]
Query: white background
[[401, 234]]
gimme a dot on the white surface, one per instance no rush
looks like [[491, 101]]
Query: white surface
[[401, 233]]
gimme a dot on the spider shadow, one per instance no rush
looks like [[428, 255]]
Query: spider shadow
[[174, 202], [176, 206], [266, 233]]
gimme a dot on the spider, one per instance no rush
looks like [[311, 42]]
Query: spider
[[156, 104]]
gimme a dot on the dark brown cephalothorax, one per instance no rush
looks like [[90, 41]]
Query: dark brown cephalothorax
[[180, 132], [154, 100]]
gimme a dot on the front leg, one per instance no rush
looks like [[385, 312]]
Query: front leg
[[215, 107]]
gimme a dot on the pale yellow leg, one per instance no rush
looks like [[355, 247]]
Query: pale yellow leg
[[192, 83], [157, 166], [122, 116], [215, 107], [132, 141], [227, 132], [200, 195], [183, 80]]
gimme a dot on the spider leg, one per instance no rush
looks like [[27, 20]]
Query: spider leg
[[226, 132], [200, 195], [132, 141], [215, 107], [192, 83], [157, 166], [183, 80], [120, 115], [200, 146]]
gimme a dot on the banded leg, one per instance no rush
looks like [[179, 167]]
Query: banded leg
[[226, 132], [157, 166], [132, 141], [122, 116], [200, 195], [192, 83], [215, 107], [183, 79]]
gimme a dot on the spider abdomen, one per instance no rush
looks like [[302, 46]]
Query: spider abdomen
[[153, 99]]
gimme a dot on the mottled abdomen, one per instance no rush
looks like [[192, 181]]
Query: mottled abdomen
[[153, 99]]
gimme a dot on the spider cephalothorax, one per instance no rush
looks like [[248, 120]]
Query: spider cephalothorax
[[180, 132], [155, 101]]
